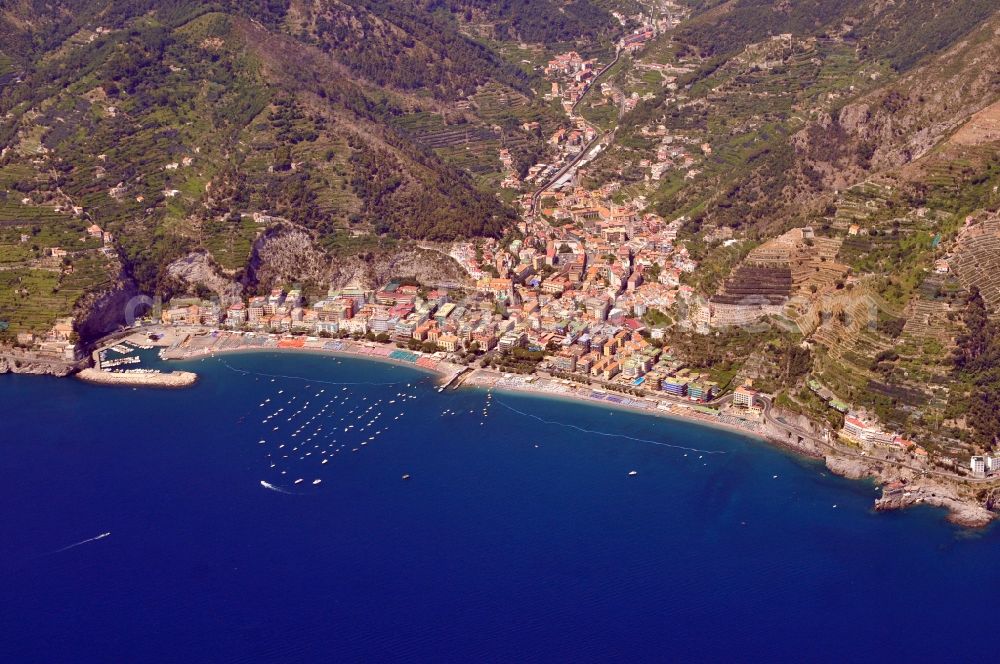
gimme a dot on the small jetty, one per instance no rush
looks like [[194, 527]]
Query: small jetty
[[147, 378], [456, 380]]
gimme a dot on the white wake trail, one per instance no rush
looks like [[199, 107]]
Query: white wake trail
[[607, 434], [268, 485], [81, 543]]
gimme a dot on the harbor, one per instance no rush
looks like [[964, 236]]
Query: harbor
[[119, 363]]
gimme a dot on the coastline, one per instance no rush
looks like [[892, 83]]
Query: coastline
[[962, 503], [677, 414], [17, 361], [478, 378], [961, 510], [445, 370], [312, 351]]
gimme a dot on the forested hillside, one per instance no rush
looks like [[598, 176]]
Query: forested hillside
[[796, 100], [543, 21], [900, 32], [170, 124]]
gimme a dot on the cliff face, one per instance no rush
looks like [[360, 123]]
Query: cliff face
[[288, 255], [898, 123], [964, 505], [426, 266], [17, 362], [97, 314], [284, 255], [197, 270]]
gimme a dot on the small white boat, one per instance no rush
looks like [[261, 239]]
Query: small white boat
[[298, 481], [633, 473], [406, 476], [317, 481]]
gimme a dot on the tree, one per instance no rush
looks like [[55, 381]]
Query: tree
[[973, 343], [977, 356]]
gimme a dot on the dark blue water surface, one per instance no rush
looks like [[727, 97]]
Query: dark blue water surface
[[520, 535]]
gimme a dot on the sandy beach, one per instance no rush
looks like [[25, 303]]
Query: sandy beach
[[199, 344], [553, 389], [193, 347]]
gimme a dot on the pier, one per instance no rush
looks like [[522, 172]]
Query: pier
[[456, 379], [137, 379]]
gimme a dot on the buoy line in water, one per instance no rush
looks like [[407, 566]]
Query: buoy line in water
[[607, 434], [246, 372]]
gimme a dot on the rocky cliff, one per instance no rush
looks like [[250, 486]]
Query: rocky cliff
[[198, 271], [288, 255], [97, 314], [22, 362], [903, 487], [898, 123]]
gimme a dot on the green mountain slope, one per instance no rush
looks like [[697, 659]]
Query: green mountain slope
[[899, 32], [179, 126], [170, 120]]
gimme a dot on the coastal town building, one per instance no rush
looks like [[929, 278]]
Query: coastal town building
[[982, 466]]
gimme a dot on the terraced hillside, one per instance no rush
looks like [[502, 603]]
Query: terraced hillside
[[179, 127], [976, 259], [183, 126]]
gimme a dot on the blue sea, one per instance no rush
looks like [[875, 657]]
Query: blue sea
[[520, 535]]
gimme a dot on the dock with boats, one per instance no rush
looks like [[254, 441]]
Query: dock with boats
[[120, 364]]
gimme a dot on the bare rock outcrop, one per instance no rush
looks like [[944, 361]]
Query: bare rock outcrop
[[904, 487], [197, 270], [287, 255], [24, 362], [962, 510], [896, 124], [852, 469], [283, 255], [426, 266], [97, 314]]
